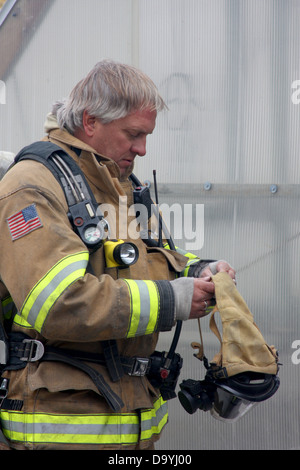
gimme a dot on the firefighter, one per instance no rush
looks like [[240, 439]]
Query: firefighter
[[82, 331]]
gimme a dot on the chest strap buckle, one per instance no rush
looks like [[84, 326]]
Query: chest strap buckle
[[33, 350], [140, 367]]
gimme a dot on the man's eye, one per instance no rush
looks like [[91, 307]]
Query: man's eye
[[134, 134]]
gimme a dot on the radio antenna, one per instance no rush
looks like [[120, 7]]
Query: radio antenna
[[159, 217]]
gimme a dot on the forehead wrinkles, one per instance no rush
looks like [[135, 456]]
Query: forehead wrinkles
[[140, 121]]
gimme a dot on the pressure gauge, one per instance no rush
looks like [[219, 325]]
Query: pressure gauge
[[92, 234]]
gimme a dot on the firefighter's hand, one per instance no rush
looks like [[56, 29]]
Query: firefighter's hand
[[220, 266], [204, 290]]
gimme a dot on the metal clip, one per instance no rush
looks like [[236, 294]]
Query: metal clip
[[140, 367], [3, 352], [3, 391], [35, 350]]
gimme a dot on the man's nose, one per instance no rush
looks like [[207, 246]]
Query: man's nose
[[139, 146]]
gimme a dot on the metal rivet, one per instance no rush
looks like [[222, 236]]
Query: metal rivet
[[273, 188]]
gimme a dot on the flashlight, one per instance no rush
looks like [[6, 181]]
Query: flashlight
[[120, 254]]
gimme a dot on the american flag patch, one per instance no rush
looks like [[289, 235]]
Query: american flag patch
[[23, 222]]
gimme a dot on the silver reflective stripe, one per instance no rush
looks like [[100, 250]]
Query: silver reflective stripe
[[86, 429], [145, 308], [51, 287], [48, 289], [144, 305], [101, 429], [156, 419], [73, 429]]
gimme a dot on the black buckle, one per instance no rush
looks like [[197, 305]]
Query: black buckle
[[139, 367], [33, 350]]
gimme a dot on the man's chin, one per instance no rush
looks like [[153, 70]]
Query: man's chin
[[125, 172]]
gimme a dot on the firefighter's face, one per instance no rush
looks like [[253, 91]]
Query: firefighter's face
[[123, 139]]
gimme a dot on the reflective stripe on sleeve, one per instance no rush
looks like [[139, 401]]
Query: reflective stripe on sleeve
[[46, 292], [7, 305], [190, 262], [192, 259], [152, 307], [185, 253], [101, 429], [18, 320], [144, 298]]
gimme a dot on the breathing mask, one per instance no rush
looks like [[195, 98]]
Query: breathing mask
[[243, 373], [227, 399]]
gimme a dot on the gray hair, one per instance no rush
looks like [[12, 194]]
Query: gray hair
[[110, 91]]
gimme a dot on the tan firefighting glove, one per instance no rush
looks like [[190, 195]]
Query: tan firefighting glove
[[243, 347]]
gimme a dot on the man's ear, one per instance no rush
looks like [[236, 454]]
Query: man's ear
[[88, 122]]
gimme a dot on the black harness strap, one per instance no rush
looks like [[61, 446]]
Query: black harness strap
[[23, 349], [52, 354], [112, 359], [43, 152]]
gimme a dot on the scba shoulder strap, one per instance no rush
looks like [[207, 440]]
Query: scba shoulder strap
[[84, 212]]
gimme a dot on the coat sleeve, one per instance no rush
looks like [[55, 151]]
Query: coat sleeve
[[194, 265], [43, 264]]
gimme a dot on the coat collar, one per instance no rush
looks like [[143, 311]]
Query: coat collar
[[100, 171]]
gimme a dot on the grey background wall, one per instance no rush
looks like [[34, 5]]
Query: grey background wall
[[228, 70]]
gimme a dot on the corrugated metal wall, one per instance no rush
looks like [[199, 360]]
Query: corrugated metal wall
[[229, 141]]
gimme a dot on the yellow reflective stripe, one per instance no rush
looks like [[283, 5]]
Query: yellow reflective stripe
[[185, 253], [106, 429], [46, 292], [135, 307], [153, 420], [64, 429], [7, 307], [154, 299], [18, 320], [144, 307], [191, 258], [185, 272]]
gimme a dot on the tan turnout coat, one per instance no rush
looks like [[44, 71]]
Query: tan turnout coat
[[94, 308]]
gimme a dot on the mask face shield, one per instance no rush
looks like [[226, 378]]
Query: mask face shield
[[228, 407], [227, 399], [239, 394]]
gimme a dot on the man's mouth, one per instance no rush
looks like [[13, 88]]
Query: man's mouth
[[128, 161]]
